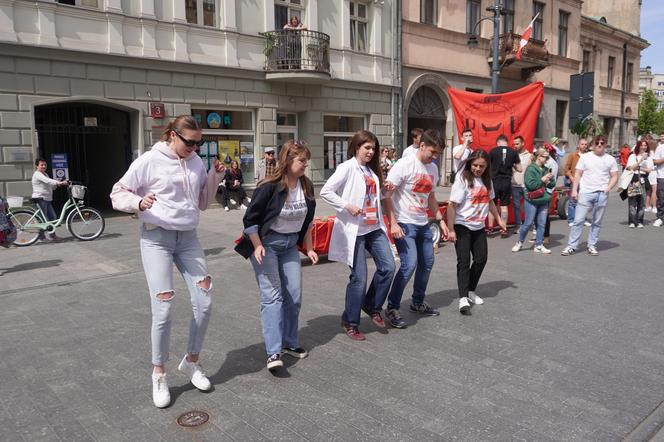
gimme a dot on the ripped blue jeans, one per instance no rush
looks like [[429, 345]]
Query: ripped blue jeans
[[160, 249]]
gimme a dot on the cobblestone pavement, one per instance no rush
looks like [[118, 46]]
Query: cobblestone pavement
[[565, 348]]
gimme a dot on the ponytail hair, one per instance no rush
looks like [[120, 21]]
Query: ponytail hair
[[178, 125]]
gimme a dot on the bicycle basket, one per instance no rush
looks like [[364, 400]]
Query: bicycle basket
[[78, 192]]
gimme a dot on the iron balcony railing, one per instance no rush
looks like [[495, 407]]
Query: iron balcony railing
[[295, 51]]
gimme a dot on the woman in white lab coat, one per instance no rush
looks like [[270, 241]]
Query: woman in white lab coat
[[354, 190]]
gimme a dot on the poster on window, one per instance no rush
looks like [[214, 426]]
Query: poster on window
[[229, 150], [246, 152]]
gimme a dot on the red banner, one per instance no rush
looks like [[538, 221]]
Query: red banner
[[489, 115]]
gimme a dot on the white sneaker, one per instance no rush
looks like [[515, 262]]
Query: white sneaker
[[248, 199], [658, 223], [233, 201], [541, 249], [195, 372], [567, 251], [639, 226], [517, 247], [587, 223], [464, 305], [160, 394], [570, 224], [592, 251], [632, 226], [226, 209], [243, 207], [474, 299]]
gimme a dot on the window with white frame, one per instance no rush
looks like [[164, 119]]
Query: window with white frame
[[359, 23], [88, 3], [429, 12], [284, 10], [337, 130], [201, 12]]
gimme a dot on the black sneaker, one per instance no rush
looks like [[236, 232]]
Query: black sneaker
[[296, 352], [274, 362], [424, 309], [394, 318]]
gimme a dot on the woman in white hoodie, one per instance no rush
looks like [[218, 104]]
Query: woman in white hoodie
[[168, 186], [354, 190]]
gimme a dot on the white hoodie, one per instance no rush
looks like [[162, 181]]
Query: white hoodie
[[181, 186]]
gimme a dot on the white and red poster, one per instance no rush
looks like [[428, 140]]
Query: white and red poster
[[489, 115]]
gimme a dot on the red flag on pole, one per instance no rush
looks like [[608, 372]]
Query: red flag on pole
[[525, 37]]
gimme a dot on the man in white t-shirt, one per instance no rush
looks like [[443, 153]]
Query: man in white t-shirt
[[416, 135], [411, 183], [596, 174], [518, 178], [658, 161], [461, 151]]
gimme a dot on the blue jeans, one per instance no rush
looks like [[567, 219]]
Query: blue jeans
[[377, 244], [517, 194], [534, 212], [279, 279], [47, 208], [416, 253], [571, 210], [160, 249], [594, 203]]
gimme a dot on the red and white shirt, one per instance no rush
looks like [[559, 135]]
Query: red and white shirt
[[472, 203], [414, 182]]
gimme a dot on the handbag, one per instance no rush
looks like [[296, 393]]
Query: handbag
[[534, 194]]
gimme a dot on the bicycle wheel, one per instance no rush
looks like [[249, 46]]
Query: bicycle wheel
[[23, 219], [86, 227]]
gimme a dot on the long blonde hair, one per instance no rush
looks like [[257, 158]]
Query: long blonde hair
[[289, 152]]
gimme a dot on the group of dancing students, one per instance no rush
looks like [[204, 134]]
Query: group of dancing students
[[169, 185]]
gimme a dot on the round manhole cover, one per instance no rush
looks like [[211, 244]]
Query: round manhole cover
[[194, 418]]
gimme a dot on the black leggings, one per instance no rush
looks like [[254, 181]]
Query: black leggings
[[470, 242], [237, 194]]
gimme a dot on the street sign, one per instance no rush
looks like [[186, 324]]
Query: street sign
[[60, 166]]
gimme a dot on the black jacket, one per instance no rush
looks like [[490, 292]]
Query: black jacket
[[266, 204], [229, 179]]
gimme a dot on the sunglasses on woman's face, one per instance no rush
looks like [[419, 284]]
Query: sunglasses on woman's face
[[190, 143]]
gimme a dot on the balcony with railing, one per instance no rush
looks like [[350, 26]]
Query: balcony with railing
[[297, 55], [534, 56]]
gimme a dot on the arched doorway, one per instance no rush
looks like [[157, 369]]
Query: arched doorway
[[426, 111], [96, 140]]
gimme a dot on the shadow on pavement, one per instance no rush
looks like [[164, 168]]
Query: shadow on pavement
[[67, 239], [251, 359], [213, 252], [31, 266]]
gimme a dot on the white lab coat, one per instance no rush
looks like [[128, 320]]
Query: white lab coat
[[347, 186]]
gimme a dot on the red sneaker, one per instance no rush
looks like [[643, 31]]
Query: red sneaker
[[353, 333], [378, 320]]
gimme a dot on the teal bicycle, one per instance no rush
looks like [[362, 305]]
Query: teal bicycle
[[83, 222]]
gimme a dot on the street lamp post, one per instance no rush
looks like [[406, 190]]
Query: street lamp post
[[498, 10]]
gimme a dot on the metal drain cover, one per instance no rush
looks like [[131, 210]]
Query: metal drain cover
[[193, 418]]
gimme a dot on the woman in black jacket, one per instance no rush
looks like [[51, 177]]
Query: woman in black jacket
[[233, 183], [277, 221]]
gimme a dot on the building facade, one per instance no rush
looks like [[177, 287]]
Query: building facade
[[568, 38], [99, 80], [652, 82]]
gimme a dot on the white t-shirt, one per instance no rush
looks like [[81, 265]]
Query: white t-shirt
[[42, 186], [519, 177], [292, 215], [369, 219], [659, 154], [414, 182], [409, 151], [596, 171], [472, 204], [458, 164], [647, 163]]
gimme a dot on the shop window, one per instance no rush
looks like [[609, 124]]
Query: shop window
[[286, 128], [201, 12], [338, 129], [229, 135]]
